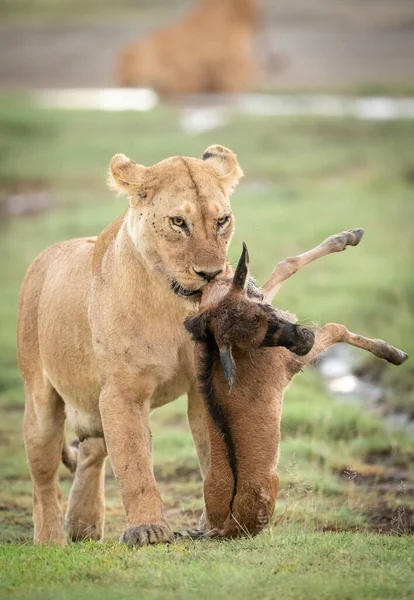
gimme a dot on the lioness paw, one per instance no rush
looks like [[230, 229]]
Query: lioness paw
[[143, 535]]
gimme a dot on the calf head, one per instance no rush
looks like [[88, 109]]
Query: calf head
[[238, 321]]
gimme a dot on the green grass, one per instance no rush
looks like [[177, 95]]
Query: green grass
[[292, 565], [25, 12], [305, 179]]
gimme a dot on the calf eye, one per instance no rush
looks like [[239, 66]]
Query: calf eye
[[222, 220]]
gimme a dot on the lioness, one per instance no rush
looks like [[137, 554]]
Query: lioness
[[101, 340], [209, 51]]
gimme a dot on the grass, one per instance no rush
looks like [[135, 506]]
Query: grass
[[341, 467], [52, 12], [297, 564]]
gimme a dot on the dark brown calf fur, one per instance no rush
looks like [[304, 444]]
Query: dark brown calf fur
[[242, 379], [239, 322]]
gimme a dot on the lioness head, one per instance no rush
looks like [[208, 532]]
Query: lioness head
[[179, 217]]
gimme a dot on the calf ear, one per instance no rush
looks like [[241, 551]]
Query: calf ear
[[229, 366], [225, 165], [197, 326], [125, 175]]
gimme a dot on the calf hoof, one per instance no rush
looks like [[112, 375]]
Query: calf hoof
[[340, 241], [354, 236], [144, 535], [390, 353]]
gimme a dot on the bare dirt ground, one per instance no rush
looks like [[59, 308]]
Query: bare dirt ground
[[324, 44]]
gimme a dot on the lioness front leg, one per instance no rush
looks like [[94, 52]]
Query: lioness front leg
[[125, 415]]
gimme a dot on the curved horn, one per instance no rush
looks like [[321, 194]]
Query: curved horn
[[242, 271]]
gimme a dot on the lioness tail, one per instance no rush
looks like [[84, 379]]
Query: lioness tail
[[70, 454]]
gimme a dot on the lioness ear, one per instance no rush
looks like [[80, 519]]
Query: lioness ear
[[125, 175], [224, 163]]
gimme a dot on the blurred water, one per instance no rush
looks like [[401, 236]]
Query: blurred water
[[337, 367], [112, 99], [200, 113]]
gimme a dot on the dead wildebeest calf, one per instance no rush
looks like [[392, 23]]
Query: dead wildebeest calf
[[243, 380]]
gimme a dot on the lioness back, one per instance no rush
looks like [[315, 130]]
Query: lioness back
[[53, 331]]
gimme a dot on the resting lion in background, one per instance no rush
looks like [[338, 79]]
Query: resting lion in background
[[101, 340], [211, 50]]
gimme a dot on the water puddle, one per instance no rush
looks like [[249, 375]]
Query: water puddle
[[25, 198], [205, 112], [338, 366], [106, 99], [200, 113]]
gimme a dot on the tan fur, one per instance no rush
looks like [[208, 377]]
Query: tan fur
[[101, 338], [254, 404], [209, 51], [85, 515]]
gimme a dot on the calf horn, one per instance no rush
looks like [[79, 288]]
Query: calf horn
[[242, 272]]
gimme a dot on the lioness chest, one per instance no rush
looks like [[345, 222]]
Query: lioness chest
[[168, 360], [181, 378], [174, 378], [87, 336]]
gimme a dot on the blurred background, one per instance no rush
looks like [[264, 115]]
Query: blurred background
[[317, 99], [321, 44]]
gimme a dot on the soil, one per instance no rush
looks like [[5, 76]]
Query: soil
[[399, 521], [25, 197], [391, 493]]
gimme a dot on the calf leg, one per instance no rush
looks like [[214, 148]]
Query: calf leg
[[43, 429], [288, 267], [333, 333], [85, 514]]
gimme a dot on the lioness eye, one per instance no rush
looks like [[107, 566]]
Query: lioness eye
[[178, 221], [222, 220]]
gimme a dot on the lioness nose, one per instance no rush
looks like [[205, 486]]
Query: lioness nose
[[209, 275]]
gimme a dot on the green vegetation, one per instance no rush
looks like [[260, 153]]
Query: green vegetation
[[341, 468], [27, 13], [289, 564]]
